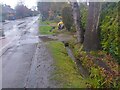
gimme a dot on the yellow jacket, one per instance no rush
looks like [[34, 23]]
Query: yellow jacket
[[60, 23]]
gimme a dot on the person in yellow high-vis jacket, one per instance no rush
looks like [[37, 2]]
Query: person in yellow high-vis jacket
[[60, 25]]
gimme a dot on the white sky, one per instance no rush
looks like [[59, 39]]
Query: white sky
[[12, 3], [31, 3]]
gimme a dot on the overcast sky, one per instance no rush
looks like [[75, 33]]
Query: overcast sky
[[31, 3], [12, 3]]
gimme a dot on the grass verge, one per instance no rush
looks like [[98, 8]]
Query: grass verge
[[66, 73], [45, 30], [46, 27], [47, 22]]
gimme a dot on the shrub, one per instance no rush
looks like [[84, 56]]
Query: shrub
[[67, 17], [109, 28]]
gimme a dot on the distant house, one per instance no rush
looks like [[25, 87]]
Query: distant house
[[8, 12], [1, 14]]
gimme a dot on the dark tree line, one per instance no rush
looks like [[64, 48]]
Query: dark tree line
[[44, 8], [20, 11], [50, 10], [23, 11]]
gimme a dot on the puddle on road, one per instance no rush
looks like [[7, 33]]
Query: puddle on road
[[45, 39], [22, 27], [30, 40], [12, 32]]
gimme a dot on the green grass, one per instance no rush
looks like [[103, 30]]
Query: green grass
[[66, 73], [45, 30], [47, 22]]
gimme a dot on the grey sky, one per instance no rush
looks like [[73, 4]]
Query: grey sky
[[12, 3]]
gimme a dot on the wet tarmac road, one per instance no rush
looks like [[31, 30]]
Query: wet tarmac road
[[18, 53]]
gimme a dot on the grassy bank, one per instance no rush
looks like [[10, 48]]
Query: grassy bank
[[46, 27], [66, 73], [45, 30], [47, 22], [101, 65]]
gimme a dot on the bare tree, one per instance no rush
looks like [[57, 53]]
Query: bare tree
[[77, 21], [92, 39]]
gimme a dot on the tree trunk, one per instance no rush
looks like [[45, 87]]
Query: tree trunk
[[77, 21], [92, 39]]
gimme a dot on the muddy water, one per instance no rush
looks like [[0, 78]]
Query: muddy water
[[82, 70], [29, 40], [46, 38]]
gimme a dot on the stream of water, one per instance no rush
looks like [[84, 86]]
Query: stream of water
[[84, 72]]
